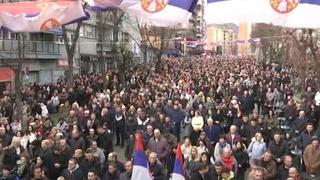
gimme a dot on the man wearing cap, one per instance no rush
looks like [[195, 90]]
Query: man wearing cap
[[311, 157]]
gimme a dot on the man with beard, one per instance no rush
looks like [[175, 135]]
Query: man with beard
[[284, 168], [155, 167], [112, 173], [270, 165], [77, 142], [73, 172], [127, 175]]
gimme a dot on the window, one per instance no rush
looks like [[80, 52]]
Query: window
[[6, 34], [81, 33], [58, 39], [90, 32]]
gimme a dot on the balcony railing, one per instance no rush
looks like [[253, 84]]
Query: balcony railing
[[29, 47]]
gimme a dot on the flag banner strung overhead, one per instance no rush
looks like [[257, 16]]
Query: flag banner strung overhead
[[157, 12], [287, 13], [39, 16]]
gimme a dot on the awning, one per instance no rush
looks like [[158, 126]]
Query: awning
[[6, 74]]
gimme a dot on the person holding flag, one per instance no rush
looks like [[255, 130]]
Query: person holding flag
[[140, 163], [178, 165]]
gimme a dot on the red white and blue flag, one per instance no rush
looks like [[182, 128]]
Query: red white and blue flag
[[157, 12], [288, 13], [140, 164], [178, 166], [40, 16], [26, 72]]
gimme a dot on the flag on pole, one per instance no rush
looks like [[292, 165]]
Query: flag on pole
[[140, 164], [288, 13], [157, 12], [26, 72], [39, 16], [177, 170]]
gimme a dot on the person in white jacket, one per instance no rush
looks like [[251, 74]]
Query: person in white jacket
[[197, 122]]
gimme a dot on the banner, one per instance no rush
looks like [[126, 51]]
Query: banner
[[288, 13], [39, 16], [156, 12]]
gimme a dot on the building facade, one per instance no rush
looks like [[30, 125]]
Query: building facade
[[222, 40], [190, 37], [44, 57]]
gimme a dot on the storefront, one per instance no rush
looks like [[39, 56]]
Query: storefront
[[6, 79]]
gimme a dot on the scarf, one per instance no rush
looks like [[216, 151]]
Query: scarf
[[228, 162]]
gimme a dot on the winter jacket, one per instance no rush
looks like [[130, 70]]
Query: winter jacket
[[271, 168], [75, 174], [278, 150], [256, 149], [160, 147], [234, 140], [213, 132], [312, 160]]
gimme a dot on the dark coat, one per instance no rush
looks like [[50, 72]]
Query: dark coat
[[104, 142], [243, 163], [91, 165], [157, 171], [177, 116], [79, 143], [282, 173], [108, 176], [305, 139], [47, 158], [278, 150], [197, 176], [214, 133], [160, 147], [74, 175], [131, 126]]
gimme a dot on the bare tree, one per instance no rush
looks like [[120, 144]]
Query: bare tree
[[302, 52], [16, 67], [270, 38], [70, 48], [155, 38], [126, 56]]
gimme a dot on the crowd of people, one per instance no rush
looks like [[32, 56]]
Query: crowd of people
[[235, 119]]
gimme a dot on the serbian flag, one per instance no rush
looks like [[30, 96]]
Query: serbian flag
[[177, 170], [156, 12], [287, 13], [140, 164], [26, 72], [40, 16]]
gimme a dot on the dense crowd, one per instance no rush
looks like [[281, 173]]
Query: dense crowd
[[235, 119]]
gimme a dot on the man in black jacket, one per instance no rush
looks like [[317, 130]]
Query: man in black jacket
[[73, 172], [91, 163], [278, 147], [283, 170], [201, 172], [112, 172], [155, 167], [104, 140]]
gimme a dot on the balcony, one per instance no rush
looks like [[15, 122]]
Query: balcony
[[31, 49], [105, 46]]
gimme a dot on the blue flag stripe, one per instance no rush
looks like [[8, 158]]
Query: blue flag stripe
[[315, 2], [188, 5]]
